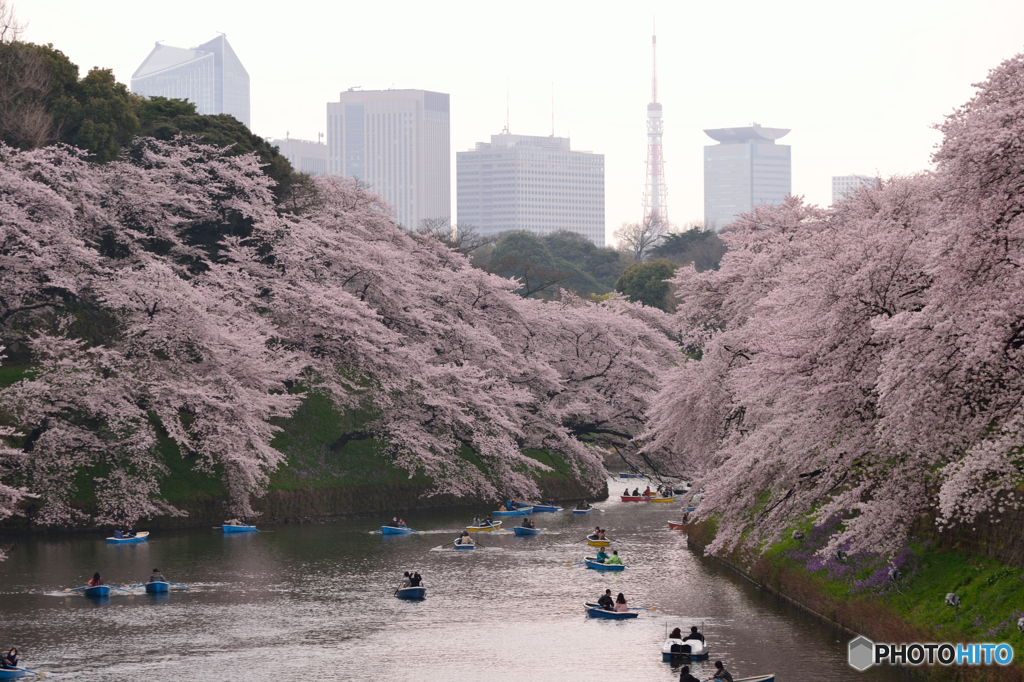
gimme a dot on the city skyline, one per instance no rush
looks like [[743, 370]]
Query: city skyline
[[872, 113]]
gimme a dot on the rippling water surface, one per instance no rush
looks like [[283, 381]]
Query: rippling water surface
[[314, 602]]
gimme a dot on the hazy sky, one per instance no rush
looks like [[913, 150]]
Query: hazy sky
[[859, 83]]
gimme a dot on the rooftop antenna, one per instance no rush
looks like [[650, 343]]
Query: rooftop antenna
[[507, 131], [552, 108]]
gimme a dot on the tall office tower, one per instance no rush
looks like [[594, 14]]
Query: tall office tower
[[305, 156], [746, 169], [538, 184], [655, 189], [845, 185], [398, 143], [210, 76]]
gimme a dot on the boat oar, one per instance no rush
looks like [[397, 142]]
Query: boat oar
[[578, 563], [178, 584], [643, 608], [122, 589], [135, 587], [30, 671], [76, 589]]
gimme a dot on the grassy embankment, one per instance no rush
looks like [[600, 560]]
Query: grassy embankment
[[857, 594]]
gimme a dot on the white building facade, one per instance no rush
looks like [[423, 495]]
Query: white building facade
[[398, 143], [845, 185], [537, 184], [746, 169], [305, 156]]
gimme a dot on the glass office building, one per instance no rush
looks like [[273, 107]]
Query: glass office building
[[746, 169], [538, 184], [306, 156], [847, 185], [210, 76], [398, 142]]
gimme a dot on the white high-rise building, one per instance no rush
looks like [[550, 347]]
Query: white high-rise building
[[210, 76], [305, 156], [537, 184], [845, 185], [398, 143], [746, 169]]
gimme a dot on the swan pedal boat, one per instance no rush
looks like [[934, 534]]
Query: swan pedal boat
[[597, 566], [635, 498], [686, 650], [468, 545], [676, 525], [129, 539], [520, 530], [239, 529], [484, 529], [583, 511], [546, 508], [594, 542], [396, 530], [519, 511], [411, 592], [11, 674], [598, 611]]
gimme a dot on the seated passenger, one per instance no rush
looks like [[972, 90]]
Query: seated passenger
[[606, 601], [636, 492], [614, 559], [602, 556], [394, 522], [10, 659], [600, 534], [676, 634], [401, 523], [625, 493], [647, 491], [583, 505], [415, 579], [620, 604], [406, 580], [694, 635], [95, 581], [157, 576], [685, 676], [118, 534]]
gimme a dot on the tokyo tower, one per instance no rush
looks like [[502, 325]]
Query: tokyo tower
[[655, 190]]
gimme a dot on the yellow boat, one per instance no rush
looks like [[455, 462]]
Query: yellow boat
[[594, 542], [495, 525], [663, 499]]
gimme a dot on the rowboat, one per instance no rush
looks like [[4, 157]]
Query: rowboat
[[484, 528], [127, 540], [468, 545], [11, 674], [676, 525], [759, 678], [396, 530], [624, 475], [521, 511], [684, 650], [594, 542], [598, 611], [519, 530], [239, 529], [597, 566], [97, 591], [663, 499], [158, 588], [546, 508], [411, 592], [583, 511], [635, 498]]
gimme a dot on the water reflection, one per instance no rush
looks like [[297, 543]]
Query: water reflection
[[317, 601]]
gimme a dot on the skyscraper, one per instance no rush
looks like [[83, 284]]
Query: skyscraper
[[305, 156], [210, 76], [398, 143], [845, 185], [538, 184], [746, 169]]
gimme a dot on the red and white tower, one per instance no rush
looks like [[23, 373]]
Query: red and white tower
[[655, 190]]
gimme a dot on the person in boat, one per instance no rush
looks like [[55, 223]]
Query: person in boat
[[10, 659], [602, 556], [600, 534], [465, 539], [647, 491], [676, 634], [488, 521], [583, 505], [606, 601], [394, 522], [157, 576], [401, 523], [95, 581], [636, 492], [415, 579], [685, 676], [721, 673], [620, 603], [614, 559], [406, 579], [528, 522], [694, 635], [130, 533]]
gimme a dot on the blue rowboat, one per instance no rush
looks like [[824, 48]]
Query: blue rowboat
[[583, 511], [625, 475], [546, 508], [519, 530], [98, 591], [468, 545], [158, 588], [411, 592], [598, 611], [239, 529], [395, 530], [11, 674], [128, 540], [591, 563], [521, 511]]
